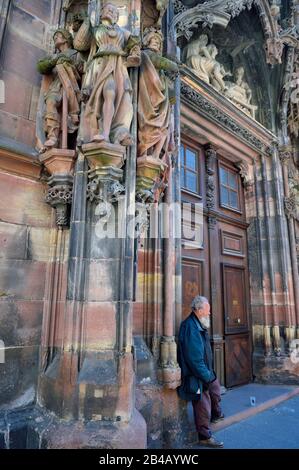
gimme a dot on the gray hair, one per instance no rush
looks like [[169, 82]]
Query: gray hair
[[198, 302]]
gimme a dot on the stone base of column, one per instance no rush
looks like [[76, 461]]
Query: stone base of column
[[169, 372], [35, 428]]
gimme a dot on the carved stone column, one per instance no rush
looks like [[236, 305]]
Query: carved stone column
[[217, 334]]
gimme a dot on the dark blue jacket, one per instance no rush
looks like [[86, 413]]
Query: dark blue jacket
[[195, 358]]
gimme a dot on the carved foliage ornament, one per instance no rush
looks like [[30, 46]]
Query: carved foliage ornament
[[208, 13], [205, 107]]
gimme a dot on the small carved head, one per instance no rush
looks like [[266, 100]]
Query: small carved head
[[203, 40], [240, 71], [61, 37], [110, 13], [153, 39], [213, 50]]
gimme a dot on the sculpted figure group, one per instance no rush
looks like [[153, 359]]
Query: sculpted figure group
[[89, 74], [201, 57]]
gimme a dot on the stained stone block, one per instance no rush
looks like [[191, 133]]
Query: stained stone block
[[102, 280], [39, 242], [8, 124], [13, 241], [17, 95], [100, 324], [23, 279], [18, 374], [21, 322], [29, 28], [40, 9], [22, 201], [106, 248], [14, 52]]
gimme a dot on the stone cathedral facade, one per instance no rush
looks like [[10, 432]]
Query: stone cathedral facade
[[148, 153]]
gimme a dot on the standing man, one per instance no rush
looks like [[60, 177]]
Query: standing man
[[199, 381]]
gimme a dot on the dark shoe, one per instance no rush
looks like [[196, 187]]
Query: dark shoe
[[217, 419], [211, 442]]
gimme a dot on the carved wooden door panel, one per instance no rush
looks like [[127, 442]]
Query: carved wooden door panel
[[235, 305], [237, 360], [237, 339], [192, 272]]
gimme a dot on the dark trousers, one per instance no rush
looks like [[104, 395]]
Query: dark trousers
[[207, 408]]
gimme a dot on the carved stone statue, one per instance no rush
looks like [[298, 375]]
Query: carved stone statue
[[153, 100], [201, 57], [240, 92], [63, 76], [107, 90]]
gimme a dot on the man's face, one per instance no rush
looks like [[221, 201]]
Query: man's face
[[203, 314], [110, 13]]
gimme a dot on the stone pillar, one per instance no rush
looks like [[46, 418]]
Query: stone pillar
[[87, 377]]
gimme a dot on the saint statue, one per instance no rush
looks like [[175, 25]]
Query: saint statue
[[154, 125], [108, 110], [63, 70], [240, 92], [201, 57]]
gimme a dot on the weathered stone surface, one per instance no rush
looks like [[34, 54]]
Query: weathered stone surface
[[29, 28], [100, 325], [26, 197], [20, 322], [13, 58], [103, 280], [40, 9], [13, 241], [18, 93], [165, 415], [19, 373], [23, 279]]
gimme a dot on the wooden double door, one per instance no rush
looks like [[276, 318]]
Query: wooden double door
[[219, 272]]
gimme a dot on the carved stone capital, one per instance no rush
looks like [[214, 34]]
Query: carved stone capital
[[243, 168], [212, 221], [290, 207], [59, 196], [285, 155], [59, 163]]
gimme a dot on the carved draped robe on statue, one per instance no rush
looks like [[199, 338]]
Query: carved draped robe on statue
[[106, 65], [153, 109], [65, 77]]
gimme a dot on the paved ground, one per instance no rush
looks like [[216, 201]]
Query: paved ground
[[275, 428], [238, 399]]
